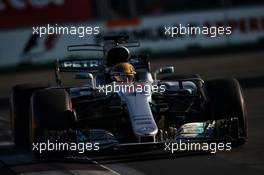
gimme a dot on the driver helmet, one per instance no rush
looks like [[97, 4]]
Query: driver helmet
[[123, 72]]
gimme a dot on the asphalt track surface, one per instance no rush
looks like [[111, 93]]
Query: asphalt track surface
[[247, 159]]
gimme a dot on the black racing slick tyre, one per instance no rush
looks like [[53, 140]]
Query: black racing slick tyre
[[52, 117], [20, 111], [226, 100]]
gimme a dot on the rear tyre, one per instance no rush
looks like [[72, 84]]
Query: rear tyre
[[52, 117], [226, 101], [20, 111]]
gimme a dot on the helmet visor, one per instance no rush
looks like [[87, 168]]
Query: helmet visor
[[123, 77]]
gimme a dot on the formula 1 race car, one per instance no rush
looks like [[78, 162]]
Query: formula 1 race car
[[112, 114]]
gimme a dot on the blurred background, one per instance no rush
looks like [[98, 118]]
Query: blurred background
[[27, 58], [142, 20]]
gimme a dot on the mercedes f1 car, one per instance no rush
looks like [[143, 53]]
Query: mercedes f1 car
[[160, 106]]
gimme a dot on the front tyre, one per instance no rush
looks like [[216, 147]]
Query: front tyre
[[52, 118], [20, 112], [226, 101]]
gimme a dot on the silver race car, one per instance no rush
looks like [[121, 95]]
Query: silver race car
[[112, 111]]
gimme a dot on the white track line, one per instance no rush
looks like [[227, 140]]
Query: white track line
[[103, 166], [124, 169], [118, 168]]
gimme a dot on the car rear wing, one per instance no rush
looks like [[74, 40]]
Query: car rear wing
[[93, 65], [75, 66], [81, 65], [95, 47], [85, 47], [109, 42]]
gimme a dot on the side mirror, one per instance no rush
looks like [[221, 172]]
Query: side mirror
[[89, 76], [164, 70]]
